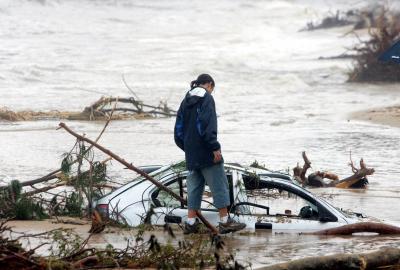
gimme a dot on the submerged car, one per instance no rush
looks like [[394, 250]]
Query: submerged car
[[260, 198]]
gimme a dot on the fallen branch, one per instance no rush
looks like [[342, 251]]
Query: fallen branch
[[44, 189], [316, 179], [300, 172], [88, 260], [139, 171], [359, 174], [388, 257], [372, 227], [99, 110]]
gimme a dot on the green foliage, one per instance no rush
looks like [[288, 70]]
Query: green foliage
[[257, 165], [65, 242], [27, 209], [15, 189], [55, 206], [66, 163], [179, 167], [73, 205], [85, 175], [14, 204]]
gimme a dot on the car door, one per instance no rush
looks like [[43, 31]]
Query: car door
[[167, 209]]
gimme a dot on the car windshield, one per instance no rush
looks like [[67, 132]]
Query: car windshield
[[344, 213]]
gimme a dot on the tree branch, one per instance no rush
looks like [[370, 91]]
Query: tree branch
[[139, 171]]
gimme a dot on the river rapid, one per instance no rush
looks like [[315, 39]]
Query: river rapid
[[274, 97]]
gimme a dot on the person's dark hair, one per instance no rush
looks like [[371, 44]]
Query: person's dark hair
[[202, 79]]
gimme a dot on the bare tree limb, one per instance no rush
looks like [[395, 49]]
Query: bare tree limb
[[137, 170]]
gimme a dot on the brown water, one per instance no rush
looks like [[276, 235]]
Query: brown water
[[274, 98], [259, 248]]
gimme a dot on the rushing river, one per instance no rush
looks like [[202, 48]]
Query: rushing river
[[274, 97]]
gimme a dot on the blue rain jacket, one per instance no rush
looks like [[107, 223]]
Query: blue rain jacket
[[196, 129]]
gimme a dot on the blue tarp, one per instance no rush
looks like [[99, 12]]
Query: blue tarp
[[392, 54]]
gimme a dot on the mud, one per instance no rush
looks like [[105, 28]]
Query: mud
[[389, 116]]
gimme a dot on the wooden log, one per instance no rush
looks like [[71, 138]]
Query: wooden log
[[98, 224], [306, 166], [358, 174], [349, 229], [139, 171], [48, 177], [297, 172], [140, 112], [328, 175], [94, 259], [317, 179], [388, 257], [44, 189]]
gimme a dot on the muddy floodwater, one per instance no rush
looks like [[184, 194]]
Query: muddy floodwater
[[274, 97]]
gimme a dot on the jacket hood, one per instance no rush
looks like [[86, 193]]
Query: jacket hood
[[194, 96]]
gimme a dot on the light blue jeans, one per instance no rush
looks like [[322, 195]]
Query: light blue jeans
[[215, 178]]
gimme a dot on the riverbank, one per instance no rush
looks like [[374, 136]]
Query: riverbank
[[386, 116]]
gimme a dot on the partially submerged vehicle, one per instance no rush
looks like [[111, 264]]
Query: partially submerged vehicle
[[260, 198]]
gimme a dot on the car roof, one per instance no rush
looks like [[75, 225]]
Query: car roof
[[170, 170]]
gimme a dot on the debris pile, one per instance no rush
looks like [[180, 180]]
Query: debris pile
[[364, 18], [125, 108], [332, 20], [367, 67], [68, 251], [317, 179]]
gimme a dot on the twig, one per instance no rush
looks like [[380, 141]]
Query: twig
[[127, 86]]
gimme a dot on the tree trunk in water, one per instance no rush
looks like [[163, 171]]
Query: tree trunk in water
[[349, 229], [386, 259]]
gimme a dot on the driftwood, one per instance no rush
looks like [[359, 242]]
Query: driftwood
[[388, 258], [372, 227], [358, 174], [139, 171], [357, 180], [98, 224], [300, 172], [99, 110], [332, 20], [369, 17]]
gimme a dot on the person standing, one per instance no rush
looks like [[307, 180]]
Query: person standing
[[195, 133]]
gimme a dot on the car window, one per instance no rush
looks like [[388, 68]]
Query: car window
[[264, 198], [161, 198]]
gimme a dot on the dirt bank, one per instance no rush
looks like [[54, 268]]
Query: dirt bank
[[386, 116]]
